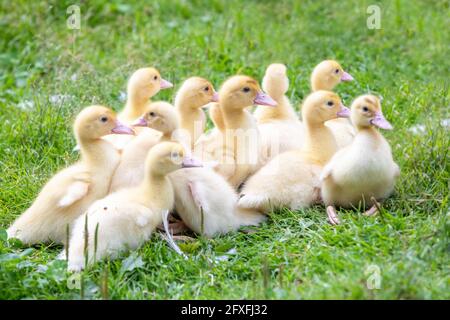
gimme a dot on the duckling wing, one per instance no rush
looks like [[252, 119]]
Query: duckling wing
[[328, 168], [75, 191], [76, 181], [193, 189]]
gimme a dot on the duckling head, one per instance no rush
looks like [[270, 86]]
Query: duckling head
[[167, 157], [366, 112], [321, 106], [144, 83], [160, 116], [196, 92], [239, 92], [327, 74], [95, 122], [275, 80]]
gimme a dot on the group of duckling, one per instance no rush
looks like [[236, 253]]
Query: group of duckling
[[154, 158]]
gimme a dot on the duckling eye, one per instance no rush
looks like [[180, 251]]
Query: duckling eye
[[336, 71], [155, 78], [246, 89], [151, 114], [206, 89], [104, 119], [330, 103], [175, 156], [365, 109]]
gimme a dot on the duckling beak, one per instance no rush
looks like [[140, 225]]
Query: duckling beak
[[344, 112], [381, 122], [141, 122], [120, 128], [165, 84], [347, 77], [191, 162], [264, 99], [215, 97]]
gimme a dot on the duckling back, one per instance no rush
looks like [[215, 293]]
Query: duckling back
[[201, 191]]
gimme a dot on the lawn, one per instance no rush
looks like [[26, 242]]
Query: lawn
[[48, 72]]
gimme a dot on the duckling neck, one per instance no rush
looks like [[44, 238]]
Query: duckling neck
[[282, 111], [186, 105], [135, 107], [321, 84], [320, 144], [98, 153], [373, 133], [157, 191], [235, 118], [189, 118]]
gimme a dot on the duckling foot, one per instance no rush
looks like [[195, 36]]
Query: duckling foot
[[317, 196], [372, 211], [176, 227], [332, 216], [183, 238]]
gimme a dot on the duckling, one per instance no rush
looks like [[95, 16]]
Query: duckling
[[70, 192], [126, 219], [237, 148], [276, 84], [195, 93], [292, 178], [207, 203], [365, 168], [279, 127], [162, 119], [143, 84], [325, 76]]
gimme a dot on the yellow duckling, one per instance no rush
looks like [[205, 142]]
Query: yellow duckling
[[325, 76], [143, 84], [292, 178], [195, 93], [276, 84], [365, 168], [197, 190], [279, 127], [127, 218], [70, 192], [162, 119], [237, 149]]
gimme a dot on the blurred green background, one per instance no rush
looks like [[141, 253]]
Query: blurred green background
[[49, 72]]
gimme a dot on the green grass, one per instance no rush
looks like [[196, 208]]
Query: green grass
[[295, 255]]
